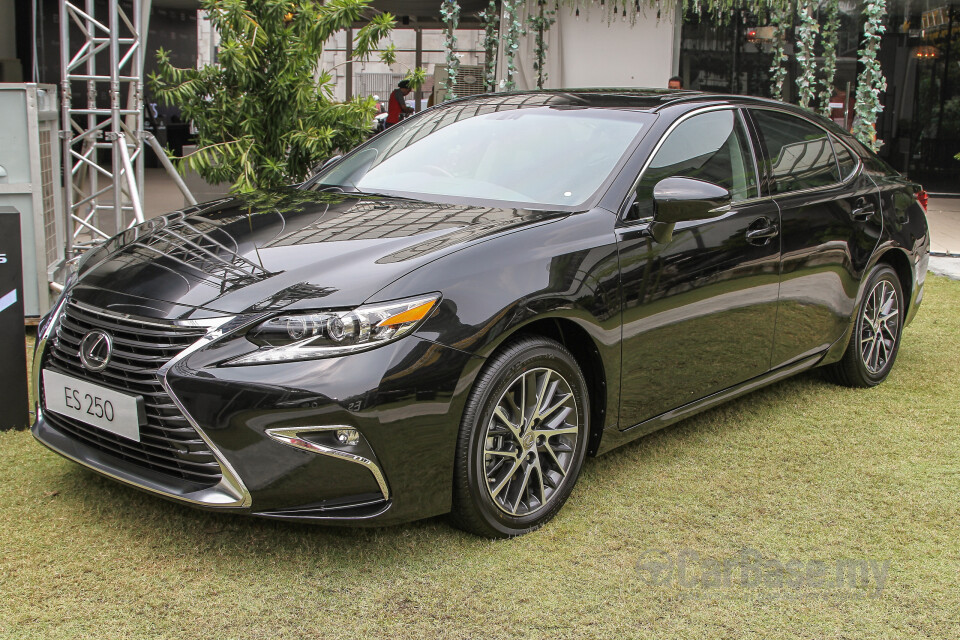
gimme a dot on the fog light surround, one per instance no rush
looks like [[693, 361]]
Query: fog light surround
[[297, 437]]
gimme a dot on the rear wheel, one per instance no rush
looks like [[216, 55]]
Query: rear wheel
[[523, 439], [876, 336]]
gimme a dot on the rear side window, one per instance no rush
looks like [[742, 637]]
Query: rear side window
[[709, 146], [845, 159], [799, 154]]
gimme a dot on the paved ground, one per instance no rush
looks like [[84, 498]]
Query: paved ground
[[943, 214], [945, 266], [160, 193]]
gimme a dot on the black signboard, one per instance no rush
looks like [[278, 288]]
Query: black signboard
[[14, 412]]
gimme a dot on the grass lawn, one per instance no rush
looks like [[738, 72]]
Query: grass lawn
[[730, 524]]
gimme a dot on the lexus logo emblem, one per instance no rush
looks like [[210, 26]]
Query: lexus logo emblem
[[95, 350]]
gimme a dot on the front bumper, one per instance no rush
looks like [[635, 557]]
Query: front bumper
[[273, 429]]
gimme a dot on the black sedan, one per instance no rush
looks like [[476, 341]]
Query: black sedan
[[454, 315]]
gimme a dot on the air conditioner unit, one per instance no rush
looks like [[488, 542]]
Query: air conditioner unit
[[469, 81], [30, 182]]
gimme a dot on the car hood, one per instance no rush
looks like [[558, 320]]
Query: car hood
[[290, 249]]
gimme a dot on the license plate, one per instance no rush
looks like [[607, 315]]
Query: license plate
[[101, 407]]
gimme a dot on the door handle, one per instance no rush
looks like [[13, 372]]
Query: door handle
[[863, 210], [762, 234]]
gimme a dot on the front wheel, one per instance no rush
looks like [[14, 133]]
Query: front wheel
[[876, 335], [523, 439]]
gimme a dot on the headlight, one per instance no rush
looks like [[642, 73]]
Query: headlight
[[304, 336]]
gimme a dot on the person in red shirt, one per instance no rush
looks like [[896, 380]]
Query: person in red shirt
[[397, 106]]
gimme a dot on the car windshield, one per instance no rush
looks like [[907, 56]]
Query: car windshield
[[548, 156]]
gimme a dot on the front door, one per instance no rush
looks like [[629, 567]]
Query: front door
[[699, 308]]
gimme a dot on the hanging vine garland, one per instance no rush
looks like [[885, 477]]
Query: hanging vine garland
[[806, 34], [491, 40], [450, 13], [778, 70], [633, 10], [511, 41], [829, 36], [781, 18], [871, 82], [539, 24]]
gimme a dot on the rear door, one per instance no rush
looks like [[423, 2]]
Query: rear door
[[699, 308], [831, 222]]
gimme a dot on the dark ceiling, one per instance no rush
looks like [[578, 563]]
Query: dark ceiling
[[426, 12], [409, 13]]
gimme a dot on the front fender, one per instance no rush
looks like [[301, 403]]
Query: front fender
[[565, 270]]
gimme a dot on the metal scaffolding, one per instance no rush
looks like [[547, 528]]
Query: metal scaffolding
[[102, 139]]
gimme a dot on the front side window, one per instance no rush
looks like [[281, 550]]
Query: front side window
[[709, 146], [543, 155], [799, 153]]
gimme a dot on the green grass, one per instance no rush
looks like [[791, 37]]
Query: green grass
[[801, 470]]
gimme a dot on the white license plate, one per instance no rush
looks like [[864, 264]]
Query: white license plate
[[101, 407]]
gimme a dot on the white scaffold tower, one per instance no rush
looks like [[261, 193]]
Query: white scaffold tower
[[103, 139]]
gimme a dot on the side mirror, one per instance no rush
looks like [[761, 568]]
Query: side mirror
[[678, 199]]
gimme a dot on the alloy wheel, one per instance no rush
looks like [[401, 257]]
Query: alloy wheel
[[879, 327], [530, 441]]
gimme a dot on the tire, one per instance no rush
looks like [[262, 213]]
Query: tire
[[875, 340], [511, 475]]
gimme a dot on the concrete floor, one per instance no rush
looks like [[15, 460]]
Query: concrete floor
[[943, 215], [161, 195]]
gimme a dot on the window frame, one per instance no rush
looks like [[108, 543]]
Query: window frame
[[768, 179], [751, 144]]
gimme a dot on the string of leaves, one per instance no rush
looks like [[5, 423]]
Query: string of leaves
[[780, 21], [491, 41], [262, 118], [633, 10], [829, 37], [806, 35], [513, 30], [871, 82], [450, 14], [539, 23]]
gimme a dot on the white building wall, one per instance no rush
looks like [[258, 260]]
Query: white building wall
[[589, 51], [469, 43]]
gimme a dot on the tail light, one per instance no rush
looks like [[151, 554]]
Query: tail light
[[922, 198]]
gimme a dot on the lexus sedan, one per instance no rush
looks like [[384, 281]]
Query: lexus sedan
[[454, 315]]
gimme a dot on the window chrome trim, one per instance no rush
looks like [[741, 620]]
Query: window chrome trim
[[656, 149], [831, 137], [290, 437], [753, 149]]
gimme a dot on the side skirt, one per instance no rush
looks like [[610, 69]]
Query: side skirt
[[613, 439]]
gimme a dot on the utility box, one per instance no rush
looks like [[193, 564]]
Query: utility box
[[30, 182]]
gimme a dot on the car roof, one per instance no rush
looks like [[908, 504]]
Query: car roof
[[638, 99]]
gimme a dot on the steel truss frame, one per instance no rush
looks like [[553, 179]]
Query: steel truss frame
[[102, 144]]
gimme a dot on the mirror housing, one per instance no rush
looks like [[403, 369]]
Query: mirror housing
[[679, 199]]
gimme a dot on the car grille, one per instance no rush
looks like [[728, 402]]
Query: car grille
[[168, 444]]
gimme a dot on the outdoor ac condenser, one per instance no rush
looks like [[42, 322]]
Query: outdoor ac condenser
[[30, 181], [469, 81]]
